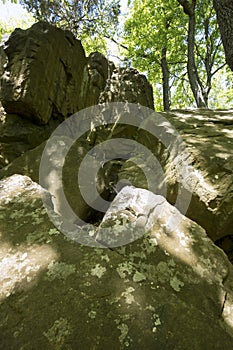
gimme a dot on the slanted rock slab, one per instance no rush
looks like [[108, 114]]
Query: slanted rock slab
[[170, 289]]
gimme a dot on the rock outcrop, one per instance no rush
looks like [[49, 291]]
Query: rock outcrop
[[46, 75], [96, 73], [206, 165], [206, 176], [126, 84], [43, 74], [102, 253], [18, 135], [172, 288]]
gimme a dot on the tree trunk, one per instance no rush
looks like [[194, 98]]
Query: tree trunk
[[191, 66], [166, 75], [224, 10], [195, 83]]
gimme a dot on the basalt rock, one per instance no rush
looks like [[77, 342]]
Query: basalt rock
[[126, 84], [45, 76], [201, 169], [96, 73], [199, 175], [44, 73], [18, 135], [170, 289]]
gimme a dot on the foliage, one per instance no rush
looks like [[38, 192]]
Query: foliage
[[221, 95], [93, 43], [7, 26], [153, 25], [95, 19], [161, 25], [12, 1]]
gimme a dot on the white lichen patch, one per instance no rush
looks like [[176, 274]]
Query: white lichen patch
[[91, 233], [124, 269], [92, 314], [156, 322], [59, 331], [139, 277], [105, 257], [167, 272], [184, 239], [153, 241], [176, 284], [149, 245], [150, 308], [129, 298], [60, 270], [124, 331], [98, 271], [124, 338]]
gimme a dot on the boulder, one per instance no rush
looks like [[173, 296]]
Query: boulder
[[208, 136], [170, 289], [200, 173], [18, 135], [44, 73], [201, 169], [27, 164], [45, 76], [3, 61], [96, 72], [126, 84]]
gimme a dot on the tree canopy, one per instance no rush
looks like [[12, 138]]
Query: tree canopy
[[86, 19], [177, 44]]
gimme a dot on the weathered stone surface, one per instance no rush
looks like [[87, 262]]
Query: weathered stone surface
[[169, 290], [18, 135], [3, 61], [96, 72], [206, 167], [206, 172], [45, 76], [44, 73], [209, 137], [106, 161], [126, 84], [27, 164]]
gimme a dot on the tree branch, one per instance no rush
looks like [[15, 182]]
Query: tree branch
[[219, 68]]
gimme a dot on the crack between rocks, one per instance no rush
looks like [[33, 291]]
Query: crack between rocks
[[151, 211], [223, 304]]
